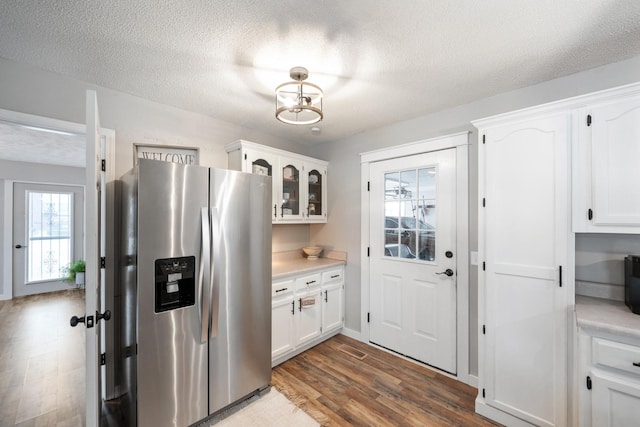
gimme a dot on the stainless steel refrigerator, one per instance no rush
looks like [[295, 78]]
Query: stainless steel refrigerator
[[196, 291]]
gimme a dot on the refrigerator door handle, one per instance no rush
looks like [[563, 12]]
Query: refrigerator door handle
[[205, 275], [215, 286]]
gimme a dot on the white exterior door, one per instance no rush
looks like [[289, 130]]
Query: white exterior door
[[413, 257], [524, 231], [47, 236]]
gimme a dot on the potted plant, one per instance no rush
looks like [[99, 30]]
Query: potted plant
[[75, 273]]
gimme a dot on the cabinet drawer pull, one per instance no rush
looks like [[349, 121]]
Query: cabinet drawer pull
[[636, 364], [313, 281], [335, 275], [281, 290]]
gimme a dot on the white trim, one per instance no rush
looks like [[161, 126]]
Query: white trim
[[562, 105], [496, 415], [6, 290], [422, 146], [358, 336], [459, 141], [39, 121]]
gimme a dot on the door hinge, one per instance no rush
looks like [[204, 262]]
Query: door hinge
[[103, 165], [588, 119], [368, 317], [368, 185], [483, 393], [103, 359], [103, 262], [484, 139], [484, 202], [560, 274], [484, 330], [590, 214], [484, 266], [588, 383]]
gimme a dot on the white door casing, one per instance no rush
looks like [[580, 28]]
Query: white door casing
[[412, 303], [21, 209]]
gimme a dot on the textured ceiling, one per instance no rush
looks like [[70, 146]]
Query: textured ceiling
[[379, 62]]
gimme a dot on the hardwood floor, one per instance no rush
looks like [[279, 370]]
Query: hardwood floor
[[338, 389], [42, 361]]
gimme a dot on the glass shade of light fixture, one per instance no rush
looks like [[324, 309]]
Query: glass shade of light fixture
[[299, 102]]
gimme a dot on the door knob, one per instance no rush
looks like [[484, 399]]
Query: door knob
[[448, 272], [75, 320], [106, 315], [20, 246]]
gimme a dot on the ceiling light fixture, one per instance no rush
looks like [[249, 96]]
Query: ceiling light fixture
[[299, 102]]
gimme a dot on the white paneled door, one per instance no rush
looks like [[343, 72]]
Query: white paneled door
[[413, 257], [95, 248], [525, 229]]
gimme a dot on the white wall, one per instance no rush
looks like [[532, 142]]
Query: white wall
[[343, 228], [24, 172], [30, 90]]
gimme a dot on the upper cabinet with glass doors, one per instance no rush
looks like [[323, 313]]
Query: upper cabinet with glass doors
[[299, 193]]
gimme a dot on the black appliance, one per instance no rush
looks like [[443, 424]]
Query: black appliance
[[632, 282]]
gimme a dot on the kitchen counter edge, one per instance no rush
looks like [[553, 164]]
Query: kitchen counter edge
[[607, 316], [292, 263]]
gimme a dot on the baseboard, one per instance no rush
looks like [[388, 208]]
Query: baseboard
[[496, 415], [358, 336], [473, 381]]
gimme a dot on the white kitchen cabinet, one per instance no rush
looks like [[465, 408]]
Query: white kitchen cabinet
[[606, 176], [609, 381], [303, 314], [308, 315], [299, 185], [282, 311], [523, 247], [332, 300]]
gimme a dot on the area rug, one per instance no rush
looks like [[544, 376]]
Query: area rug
[[270, 410]]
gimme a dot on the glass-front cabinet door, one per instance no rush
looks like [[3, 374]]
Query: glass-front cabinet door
[[316, 207], [261, 163], [291, 197]]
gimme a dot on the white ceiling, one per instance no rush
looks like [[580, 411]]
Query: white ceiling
[[379, 62]]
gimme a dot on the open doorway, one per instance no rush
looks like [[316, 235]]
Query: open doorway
[[42, 361]]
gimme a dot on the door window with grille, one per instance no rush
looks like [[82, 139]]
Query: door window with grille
[[410, 213]]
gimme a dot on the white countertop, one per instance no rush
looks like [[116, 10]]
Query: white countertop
[[608, 316], [290, 263]]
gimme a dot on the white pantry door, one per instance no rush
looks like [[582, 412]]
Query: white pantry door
[[413, 257], [94, 220]]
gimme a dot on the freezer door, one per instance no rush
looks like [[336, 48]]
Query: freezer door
[[172, 360], [240, 343]]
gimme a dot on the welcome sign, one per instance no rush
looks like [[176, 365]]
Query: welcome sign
[[164, 153]]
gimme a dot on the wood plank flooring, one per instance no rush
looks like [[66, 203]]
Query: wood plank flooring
[[42, 361], [337, 389]]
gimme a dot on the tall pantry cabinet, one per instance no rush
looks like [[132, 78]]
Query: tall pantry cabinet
[[544, 174], [524, 234]]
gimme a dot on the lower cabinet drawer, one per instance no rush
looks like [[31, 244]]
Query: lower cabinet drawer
[[616, 355], [306, 282], [282, 287]]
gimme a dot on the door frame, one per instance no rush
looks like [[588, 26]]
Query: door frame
[[108, 136], [459, 142]]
